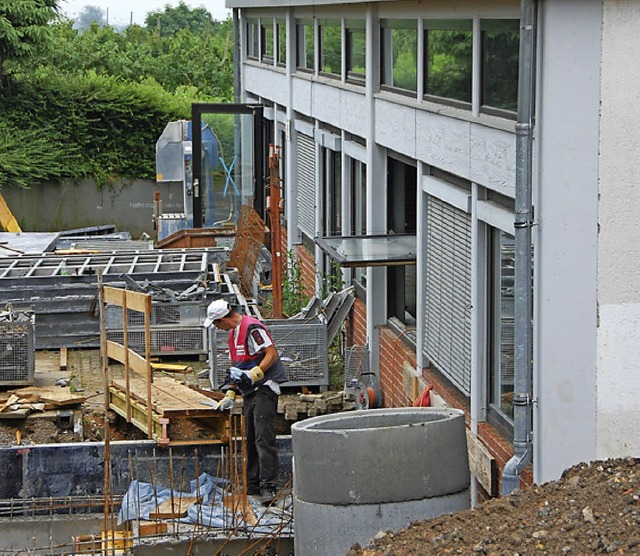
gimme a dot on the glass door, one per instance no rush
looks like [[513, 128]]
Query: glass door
[[227, 162]]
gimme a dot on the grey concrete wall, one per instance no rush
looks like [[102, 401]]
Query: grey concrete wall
[[77, 469], [62, 206], [618, 384], [565, 283]]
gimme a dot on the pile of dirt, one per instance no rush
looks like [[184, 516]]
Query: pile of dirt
[[592, 509]]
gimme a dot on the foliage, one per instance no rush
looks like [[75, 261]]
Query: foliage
[[24, 29], [449, 64], [58, 126], [182, 59], [171, 20], [294, 295], [88, 16], [93, 104]]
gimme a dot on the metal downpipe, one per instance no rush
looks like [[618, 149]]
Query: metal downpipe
[[523, 370]]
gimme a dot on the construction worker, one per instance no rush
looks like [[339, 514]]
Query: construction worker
[[256, 373]]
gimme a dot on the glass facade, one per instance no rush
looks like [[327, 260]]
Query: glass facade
[[399, 53], [448, 48]]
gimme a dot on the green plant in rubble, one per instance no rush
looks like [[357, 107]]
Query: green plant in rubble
[[294, 295], [336, 363]]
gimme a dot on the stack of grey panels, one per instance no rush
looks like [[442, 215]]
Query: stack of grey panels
[[62, 290]]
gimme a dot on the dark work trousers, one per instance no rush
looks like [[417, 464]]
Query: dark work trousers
[[259, 411]]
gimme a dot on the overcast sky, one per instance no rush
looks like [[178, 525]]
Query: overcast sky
[[121, 11]]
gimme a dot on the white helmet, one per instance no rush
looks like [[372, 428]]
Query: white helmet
[[216, 310]]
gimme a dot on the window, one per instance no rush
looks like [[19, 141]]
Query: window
[[332, 193], [266, 32], [401, 219], [502, 323], [399, 46], [358, 183], [331, 47], [500, 56], [356, 44], [448, 57], [281, 26], [304, 45], [253, 39]]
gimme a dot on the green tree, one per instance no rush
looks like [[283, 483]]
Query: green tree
[[171, 20], [24, 28], [89, 15]]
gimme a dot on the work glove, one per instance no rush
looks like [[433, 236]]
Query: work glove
[[228, 402], [245, 378], [255, 374]]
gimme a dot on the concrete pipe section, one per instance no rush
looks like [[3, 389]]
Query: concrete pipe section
[[358, 473]]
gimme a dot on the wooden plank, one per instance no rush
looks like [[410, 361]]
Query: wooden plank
[[20, 413], [12, 400], [135, 301], [147, 528], [171, 368], [174, 509], [63, 358], [137, 363], [113, 295], [241, 504], [54, 395], [482, 465], [169, 397]]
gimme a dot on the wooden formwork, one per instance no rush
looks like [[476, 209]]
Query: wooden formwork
[[152, 403]]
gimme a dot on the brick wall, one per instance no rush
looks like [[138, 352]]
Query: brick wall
[[397, 358], [307, 268], [356, 325], [395, 355]]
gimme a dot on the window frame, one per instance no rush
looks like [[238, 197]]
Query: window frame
[[253, 39], [267, 38], [387, 26], [354, 28], [458, 25], [302, 43], [487, 108], [281, 42], [323, 25]]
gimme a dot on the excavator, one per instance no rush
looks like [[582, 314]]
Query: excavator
[[8, 222]]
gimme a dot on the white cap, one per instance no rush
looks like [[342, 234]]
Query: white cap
[[216, 310]]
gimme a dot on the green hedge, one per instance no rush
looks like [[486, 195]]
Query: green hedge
[[55, 126]]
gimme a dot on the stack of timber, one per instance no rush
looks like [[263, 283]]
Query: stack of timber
[[17, 404]]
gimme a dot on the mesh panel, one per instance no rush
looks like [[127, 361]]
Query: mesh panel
[[302, 349], [356, 361], [17, 353], [179, 313], [164, 341]]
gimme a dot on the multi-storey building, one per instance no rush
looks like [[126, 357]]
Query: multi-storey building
[[426, 153]]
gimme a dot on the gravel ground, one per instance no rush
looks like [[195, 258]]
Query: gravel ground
[[592, 509]]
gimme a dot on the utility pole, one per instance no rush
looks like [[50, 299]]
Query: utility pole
[[273, 205]]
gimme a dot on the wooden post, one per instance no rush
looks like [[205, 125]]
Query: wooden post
[[276, 233]]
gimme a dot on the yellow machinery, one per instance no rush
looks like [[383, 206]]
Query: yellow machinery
[[7, 220]]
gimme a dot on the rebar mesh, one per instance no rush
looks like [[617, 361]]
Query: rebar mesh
[[246, 248]]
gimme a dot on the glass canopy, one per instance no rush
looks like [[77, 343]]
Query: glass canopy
[[353, 251]]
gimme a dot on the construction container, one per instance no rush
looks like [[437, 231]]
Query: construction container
[[302, 347], [17, 348]]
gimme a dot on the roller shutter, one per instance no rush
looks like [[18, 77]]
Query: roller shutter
[[306, 201], [447, 339]]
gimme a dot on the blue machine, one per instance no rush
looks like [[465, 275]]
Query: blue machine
[[174, 166]]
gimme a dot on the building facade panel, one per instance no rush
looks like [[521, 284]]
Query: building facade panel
[[493, 159], [395, 127], [619, 237], [266, 83], [301, 96]]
